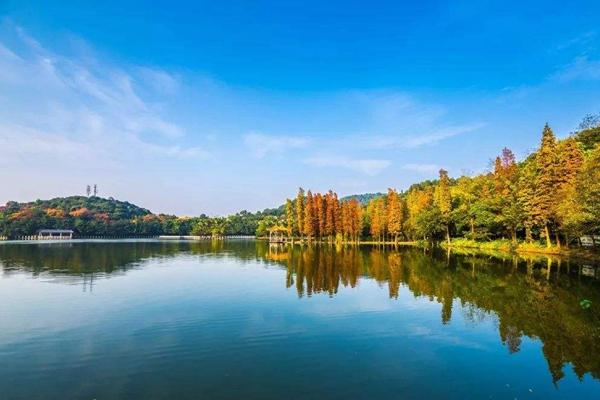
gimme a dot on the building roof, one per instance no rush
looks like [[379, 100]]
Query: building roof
[[55, 231]]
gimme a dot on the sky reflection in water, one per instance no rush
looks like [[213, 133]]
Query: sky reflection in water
[[219, 320]]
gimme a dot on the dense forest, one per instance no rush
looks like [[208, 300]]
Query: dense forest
[[550, 198]]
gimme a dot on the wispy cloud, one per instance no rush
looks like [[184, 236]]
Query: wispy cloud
[[261, 145], [422, 168], [582, 68], [423, 139], [582, 40], [365, 166], [400, 121], [63, 106]]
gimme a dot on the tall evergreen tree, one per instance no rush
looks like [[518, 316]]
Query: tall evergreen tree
[[378, 218], [309, 216], [329, 214], [526, 194], [588, 192], [337, 215], [394, 214], [321, 214], [289, 217], [567, 209], [300, 200], [506, 182], [356, 219], [547, 180], [443, 200]]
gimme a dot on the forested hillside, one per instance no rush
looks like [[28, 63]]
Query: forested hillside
[[96, 216]]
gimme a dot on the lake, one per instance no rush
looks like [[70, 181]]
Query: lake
[[242, 319]]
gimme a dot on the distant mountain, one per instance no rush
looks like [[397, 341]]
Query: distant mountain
[[364, 198]]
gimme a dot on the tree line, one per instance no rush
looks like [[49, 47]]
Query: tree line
[[553, 196]]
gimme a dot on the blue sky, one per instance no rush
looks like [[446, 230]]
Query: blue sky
[[212, 107]]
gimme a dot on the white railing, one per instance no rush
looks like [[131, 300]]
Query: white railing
[[108, 237], [204, 237]]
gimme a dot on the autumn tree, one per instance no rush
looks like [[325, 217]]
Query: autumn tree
[[394, 214], [506, 182], [377, 218], [289, 217], [418, 201], [300, 200], [330, 214], [567, 209], [337, 215], [466, 194], [526, 194], [588, 192], [354, 219], [309, 216], [321, 214], [346, 220], [443, 200], [547, 180]]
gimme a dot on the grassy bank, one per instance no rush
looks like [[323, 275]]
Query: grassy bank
[[522, 248]]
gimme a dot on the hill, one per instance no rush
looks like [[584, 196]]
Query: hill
[[364, 198], [114, 209], [85, 215], [97, 216]]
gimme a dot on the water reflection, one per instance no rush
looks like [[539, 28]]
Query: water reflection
[[530, 297]]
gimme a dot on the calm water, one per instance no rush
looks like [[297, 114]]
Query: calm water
[[156, 320]]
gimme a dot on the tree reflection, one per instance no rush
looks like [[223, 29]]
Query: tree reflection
[[533, 297], [527, 296]]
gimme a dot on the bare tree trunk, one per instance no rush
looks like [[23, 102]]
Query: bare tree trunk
[[547, 233], [448, 233], [557, 236]]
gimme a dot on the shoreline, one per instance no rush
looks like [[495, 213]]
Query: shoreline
[[523, 250], [489, 248]]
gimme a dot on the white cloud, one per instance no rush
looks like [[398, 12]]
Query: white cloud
[[422, 168], [62, 107], [399, 121], [423, 139], [20, 143], [581, 41], [261, 145], [365, 166], [581, 68], [161, 81]]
